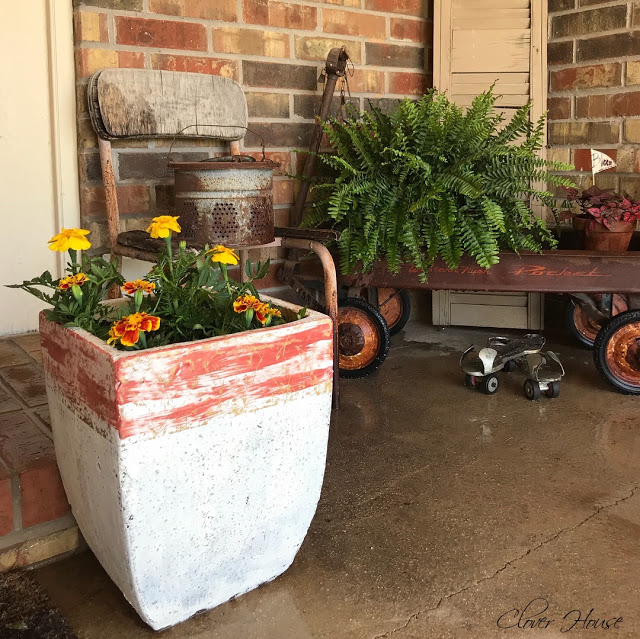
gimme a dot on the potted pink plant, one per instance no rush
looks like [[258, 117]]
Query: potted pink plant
[[609, 218], [190, 420]]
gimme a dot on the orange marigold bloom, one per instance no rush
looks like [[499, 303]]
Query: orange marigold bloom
[[245, 302], [71, 280], [128, 329], [129, 288], [262, 312]]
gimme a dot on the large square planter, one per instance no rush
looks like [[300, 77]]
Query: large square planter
[[193, 470]]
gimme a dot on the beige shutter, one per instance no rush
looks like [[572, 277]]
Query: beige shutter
[[478, 43]]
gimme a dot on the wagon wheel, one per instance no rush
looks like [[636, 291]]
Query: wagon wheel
[[363, 338], [616, 352], [395, 307], [583, 326]]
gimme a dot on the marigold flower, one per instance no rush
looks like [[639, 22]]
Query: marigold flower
[[244, 303], [128, 329], [163, 225], [71, 280], [129, 288], [224, 255], [262, 312], [73, 239]]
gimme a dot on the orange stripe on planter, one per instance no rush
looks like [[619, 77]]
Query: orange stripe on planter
[[194, 413]]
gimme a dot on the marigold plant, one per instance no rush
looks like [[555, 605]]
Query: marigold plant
[[187, 295]]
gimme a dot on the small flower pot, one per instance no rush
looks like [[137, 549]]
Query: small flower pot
[[580, 223], [614, 240], [193, 470]]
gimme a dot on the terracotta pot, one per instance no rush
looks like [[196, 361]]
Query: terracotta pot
[[580, 221], [194, 469], [614, 240]]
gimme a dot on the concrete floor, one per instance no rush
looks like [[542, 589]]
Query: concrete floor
[[442, 510]]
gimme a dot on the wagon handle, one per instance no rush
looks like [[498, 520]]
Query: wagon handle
[[223, 126]]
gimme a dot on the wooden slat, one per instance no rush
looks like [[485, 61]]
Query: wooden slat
[[468, 23], [495, 316], [506, 101], [502, 5], [503, 299], [146, 103], [478, 51]]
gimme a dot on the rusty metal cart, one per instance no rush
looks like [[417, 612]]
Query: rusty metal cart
[[612, 320], [604, 312]]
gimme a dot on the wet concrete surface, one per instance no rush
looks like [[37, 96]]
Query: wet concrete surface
[[444, 513]]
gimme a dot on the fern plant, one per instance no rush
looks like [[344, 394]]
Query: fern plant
[[431, 179]]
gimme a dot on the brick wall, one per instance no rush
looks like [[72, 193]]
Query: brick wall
[[594, 88], [276, 51]]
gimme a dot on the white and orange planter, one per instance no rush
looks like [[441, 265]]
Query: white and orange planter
[[193, 470]]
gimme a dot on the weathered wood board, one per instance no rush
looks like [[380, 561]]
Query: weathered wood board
[[149, 103]]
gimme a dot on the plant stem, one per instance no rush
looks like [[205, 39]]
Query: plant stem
[[223, 268], [167, 241]]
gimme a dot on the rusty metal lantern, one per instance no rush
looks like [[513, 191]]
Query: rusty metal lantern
[[226, 200]]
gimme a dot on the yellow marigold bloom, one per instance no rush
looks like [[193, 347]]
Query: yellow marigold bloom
[[70, 239], [69, 281], [224, 255], [163, 225], [128, 329], [274, 311], [129, 288]]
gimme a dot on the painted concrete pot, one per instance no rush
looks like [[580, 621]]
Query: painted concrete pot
[[193, 470]]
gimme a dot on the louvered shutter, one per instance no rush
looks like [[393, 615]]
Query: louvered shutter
[[478, 43]]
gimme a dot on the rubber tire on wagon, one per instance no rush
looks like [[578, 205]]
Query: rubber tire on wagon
[[580, 326], [363, 338], [616, 352], [396, 312], [583, 327]]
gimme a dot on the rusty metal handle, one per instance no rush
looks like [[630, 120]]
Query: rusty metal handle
[[222, 126], [330, 296]]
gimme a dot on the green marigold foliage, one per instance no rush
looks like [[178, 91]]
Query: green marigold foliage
[[432, 179]]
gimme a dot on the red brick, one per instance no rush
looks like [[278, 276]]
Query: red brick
[[406, 7], [22, 443], [132, 198], [624, 104], [589, 77], [559, 108], [280, 14], [407, 83], [591, 106], [6, 504], [131, 60], [559, 53], [195, 64], [411, 30], [606, 106], [354, 24], [226, 10], [168, 34], [283, 191], [251, 42], [283, 158], [367, 81], [90, 26], [582, 158], [43, 496]]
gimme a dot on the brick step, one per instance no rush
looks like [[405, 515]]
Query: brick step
[[35, 518]]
